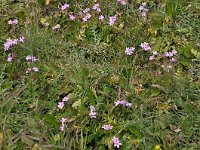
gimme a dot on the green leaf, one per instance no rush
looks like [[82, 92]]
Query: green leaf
[[77, 104], [172, 7], [51, 120], [135, 131], [184, 62], [155, 91], [32, 126]]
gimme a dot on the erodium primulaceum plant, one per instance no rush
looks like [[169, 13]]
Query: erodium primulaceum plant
[[100, 67]]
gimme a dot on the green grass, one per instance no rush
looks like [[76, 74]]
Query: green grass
[[87, 63]]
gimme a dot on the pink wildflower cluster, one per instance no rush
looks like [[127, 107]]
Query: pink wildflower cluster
[[116, 141], [35, 69], [92, 113], [107, 127], [123, 102], [86, 10], [11, 42], [129, 50], [31, 58], [112, 20], [170, 54], [63, 121], [65, 6], [143, 9], [62, 103], [56, 27], [122, 2], [145, 46], [96, 7], [87, 16], [152, 57], [14, 21]]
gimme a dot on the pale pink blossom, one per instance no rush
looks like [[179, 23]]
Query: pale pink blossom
[[61, 105], [107, 127], [65, 99], [101, 17], [56, 27], [9, 57], [92, 113], [35, 69], [116, 141], [65, 6]]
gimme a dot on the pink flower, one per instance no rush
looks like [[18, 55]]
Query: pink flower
[[122, 102], [22, 39], [169, 67], [116, 141], [10, 22], [14, 21], [84, 19], [9, 57], [62, 128], [9, 43], [95, 7], [107, 127], [65, 99], [86, 10], [98, 10], [174, 52], [56, 27], [101, 17], [46, 24], [128, 104], [71, 17], [122, 2], [61, 105], [143, 9], [87, 16], [152, 57], [129, 50], [63, 120], [28, 70], [65, 6], [168, 54], [145, 46], [173, 60], [112, 20], [35, 69], [32, 58], [92, 113], [155, 53]]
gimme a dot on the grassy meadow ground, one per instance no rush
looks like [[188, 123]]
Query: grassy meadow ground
[[86, 64]]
